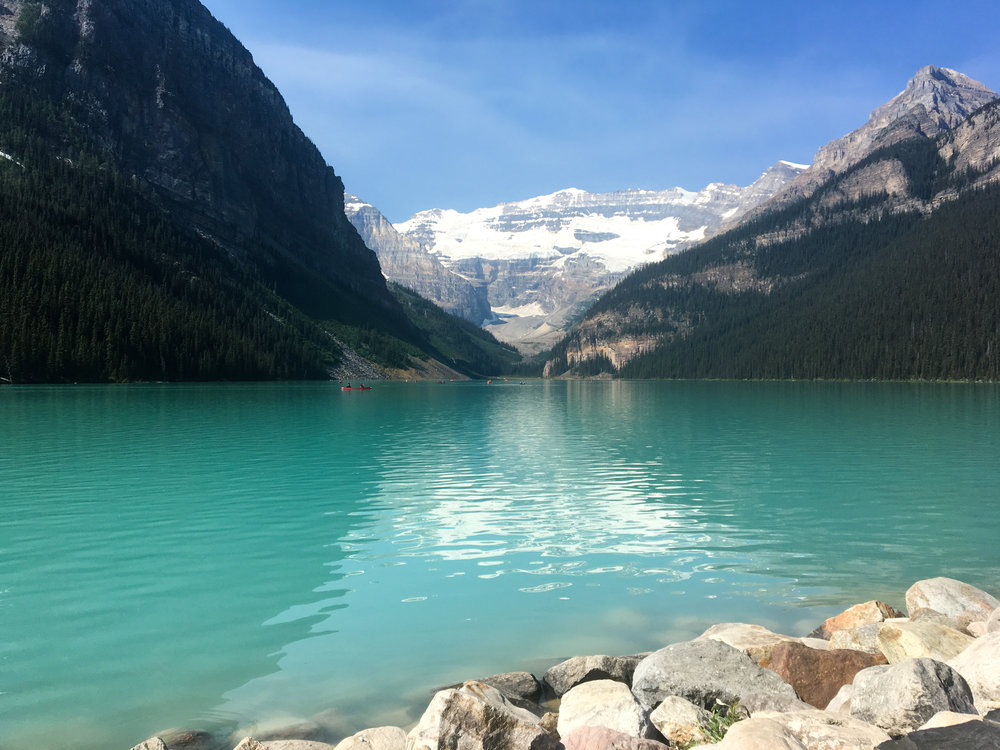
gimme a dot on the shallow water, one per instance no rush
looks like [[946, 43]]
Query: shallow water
[[215, 555]]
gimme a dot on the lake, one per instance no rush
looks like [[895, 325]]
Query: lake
[[211, 556]]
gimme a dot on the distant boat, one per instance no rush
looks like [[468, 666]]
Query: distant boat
[[355, 387]]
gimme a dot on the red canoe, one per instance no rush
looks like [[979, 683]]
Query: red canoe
[[355, 387]]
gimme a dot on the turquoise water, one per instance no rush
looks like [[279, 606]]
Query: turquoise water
[[210, 556]]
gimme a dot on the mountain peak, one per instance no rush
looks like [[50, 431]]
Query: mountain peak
[[946, 95]]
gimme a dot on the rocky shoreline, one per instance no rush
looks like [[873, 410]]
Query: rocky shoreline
[[870, 677]]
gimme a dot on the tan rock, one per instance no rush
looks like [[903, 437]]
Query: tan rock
[[822, 730], [297, 745], [867, 613], [680, 721], [863, 638], [993, 622], [955, 599], [977, 629], [249, 743], [379, 738], [949, 719], [909, 640], [841, 703], [153, 743], [755, 641], [602, 738], [759, 734], [602, 703], [979, 664]]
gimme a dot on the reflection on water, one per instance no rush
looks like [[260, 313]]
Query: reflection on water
[[252, 552]]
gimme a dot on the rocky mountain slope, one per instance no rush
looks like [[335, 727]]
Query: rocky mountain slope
[[887, 268], [183, 227], [538, 263]]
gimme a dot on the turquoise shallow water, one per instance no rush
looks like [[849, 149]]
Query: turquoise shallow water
[[214, 555]]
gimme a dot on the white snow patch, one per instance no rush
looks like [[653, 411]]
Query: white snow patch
[[793, 165], [524, 311]]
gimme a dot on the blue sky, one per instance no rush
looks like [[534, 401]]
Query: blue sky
[[469, 103]]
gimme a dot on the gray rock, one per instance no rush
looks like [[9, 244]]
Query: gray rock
[[474, 717], [680, 721], [972, 735], [949, 719], [862, 638], [901, 697], [710, 672], [249, 743], [567, 674], [153, 743], [602, 703], [601, 738], [181, 739], [979, 664], [915, 639], [379, 738], [520, 688], [954, 599], [287, 728]]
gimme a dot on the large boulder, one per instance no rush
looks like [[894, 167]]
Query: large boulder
[[821, 730], [755, 641], [899, 698], [680, 721], [993, 622], [568, 674], [180, 739], [759, 734], [602, 738], [979, 664], [817, 675], [867, 613], [910, 639], [602, 703], [960, 601], [520, 688], [378, 738], [708, 673], [477, 716]]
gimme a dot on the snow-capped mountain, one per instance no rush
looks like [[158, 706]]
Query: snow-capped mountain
[[541, 261]]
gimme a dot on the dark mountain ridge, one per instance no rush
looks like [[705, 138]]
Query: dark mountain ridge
[[887, 269]]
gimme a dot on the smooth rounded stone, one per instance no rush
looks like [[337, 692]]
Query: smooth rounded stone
[[602, 738], [180, 739], [899, 698], [979, 664], [759, 734], [866, 613], [970, 735], [477, 716], [602, 703], [930, 615], [821, 730], [841, 703], [299, 745], [378, 738], [923, 639], [977, 629], [817, 675], [567, 674], [955, 599], [249, 743], [680, 721], [949, 719], [709, 672], [755, 641], [993, 622], [863, 638]]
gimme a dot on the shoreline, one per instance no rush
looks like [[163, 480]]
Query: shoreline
[[838, 686]]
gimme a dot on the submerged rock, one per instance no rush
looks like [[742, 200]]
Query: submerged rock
[[960, 601], [902, 697], [710, 672]]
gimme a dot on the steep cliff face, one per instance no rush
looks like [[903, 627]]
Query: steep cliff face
[[405, 262], [176, 100]]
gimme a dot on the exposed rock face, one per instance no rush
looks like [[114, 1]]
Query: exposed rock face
[[710, 672], [755, 641], [863, 638], [934, 101], [910, 639], [542, 260], [405, 262], [176, 100], [902, 697]]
